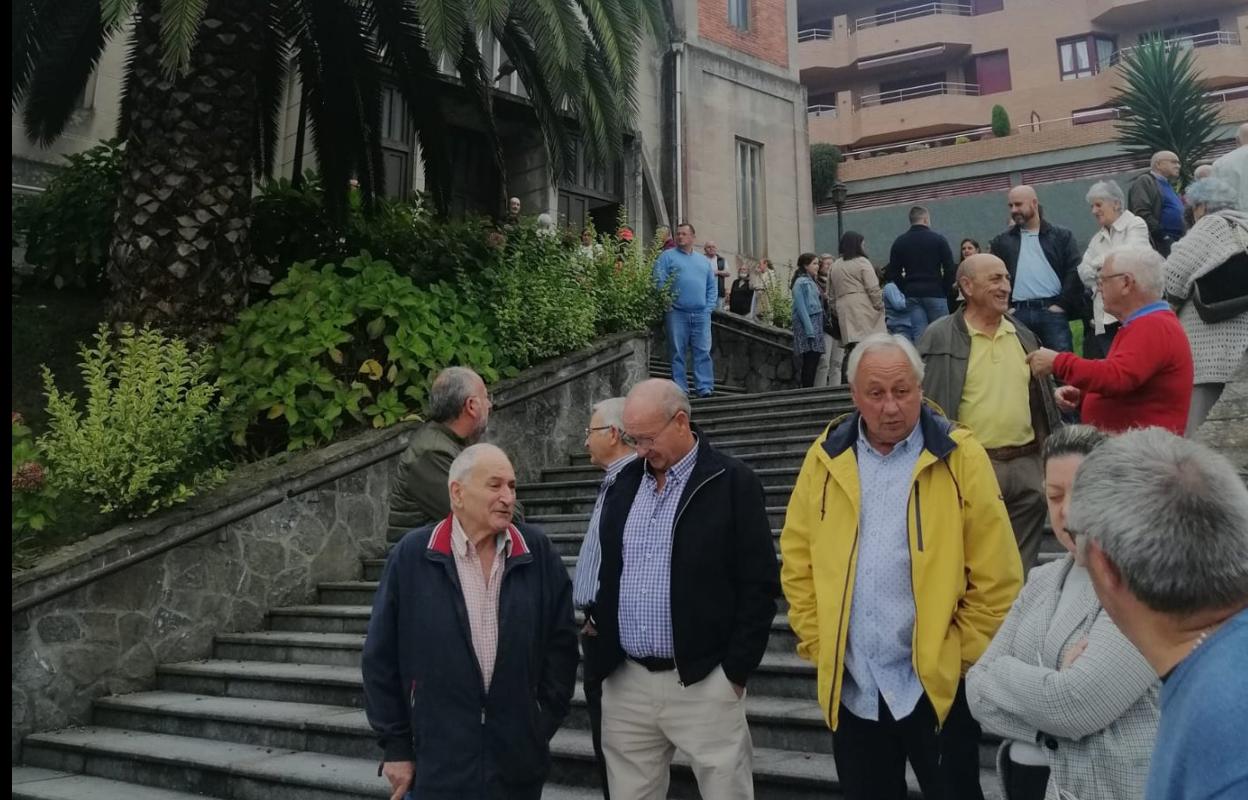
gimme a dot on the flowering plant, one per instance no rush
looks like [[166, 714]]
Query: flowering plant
[[34, 498]]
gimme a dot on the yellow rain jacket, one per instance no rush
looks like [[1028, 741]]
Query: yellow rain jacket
[[964, 563]]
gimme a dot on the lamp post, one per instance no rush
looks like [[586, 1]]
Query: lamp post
[[838, 193]]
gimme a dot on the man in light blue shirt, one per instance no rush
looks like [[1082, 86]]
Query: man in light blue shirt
[[694, 295], [607, 450]]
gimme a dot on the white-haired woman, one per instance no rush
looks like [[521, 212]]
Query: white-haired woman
[[1073, 699], [1220, 232], [1116, 227]]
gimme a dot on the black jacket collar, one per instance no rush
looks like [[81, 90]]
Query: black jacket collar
[[935, 427]]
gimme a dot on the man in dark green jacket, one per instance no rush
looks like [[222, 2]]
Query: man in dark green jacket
[[459, 410]]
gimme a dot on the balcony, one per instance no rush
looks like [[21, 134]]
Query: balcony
[[911, 113], [1210, 39], [1142, 13], [915, 92], [1219, 55], [914, 12], [821, 110]]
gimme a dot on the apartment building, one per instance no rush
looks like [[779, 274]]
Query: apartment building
[[720, 136]]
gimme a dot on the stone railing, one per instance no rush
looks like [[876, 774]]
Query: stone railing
[[744, 353]]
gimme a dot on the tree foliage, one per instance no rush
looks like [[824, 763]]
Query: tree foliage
[[1166, 106], [824, 162], [1000, 121]]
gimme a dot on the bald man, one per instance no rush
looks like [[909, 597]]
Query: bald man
[[976, 371], [1042, 261], [1153, 199], [445, 684], [1233, 167], [686, 597]]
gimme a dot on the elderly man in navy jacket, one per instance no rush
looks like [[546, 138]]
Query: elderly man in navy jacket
[[471, 651]]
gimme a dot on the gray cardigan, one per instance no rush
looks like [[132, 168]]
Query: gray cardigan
[[1097, 719]]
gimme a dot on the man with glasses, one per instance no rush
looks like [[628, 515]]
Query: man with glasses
[[459, 410], [1153, 199], [687, 595], [604, 439], [1146, 378]]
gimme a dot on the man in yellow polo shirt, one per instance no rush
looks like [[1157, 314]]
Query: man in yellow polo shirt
[[975, 363]]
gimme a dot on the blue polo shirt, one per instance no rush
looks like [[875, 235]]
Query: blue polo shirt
[[1171, 209], [693, 284]]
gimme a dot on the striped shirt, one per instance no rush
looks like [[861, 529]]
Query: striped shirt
[[645, 617], [480, 593], [589, 560]]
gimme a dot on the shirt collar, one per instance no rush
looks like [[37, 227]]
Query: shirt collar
[[681, 469], [1003, 329], [460, 543], [1120, 224], [1151, 308], [914, 439], [617, 466]]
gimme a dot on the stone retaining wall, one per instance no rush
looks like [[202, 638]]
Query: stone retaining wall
[[744, 353]]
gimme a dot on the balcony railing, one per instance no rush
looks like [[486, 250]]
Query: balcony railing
[[821, 111], [914, 12], [1210, 39], [915, 92], [814, 35]]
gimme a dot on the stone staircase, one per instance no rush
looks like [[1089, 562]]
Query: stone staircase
[[276, 714], [661, 367]]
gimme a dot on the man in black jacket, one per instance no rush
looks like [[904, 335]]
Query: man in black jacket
[[921, 263], [687, 594], [471, 654], [1043, 262]]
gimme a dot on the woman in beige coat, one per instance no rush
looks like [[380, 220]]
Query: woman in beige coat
[[856, 287]]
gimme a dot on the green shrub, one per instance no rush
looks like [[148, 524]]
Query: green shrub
[[67, 229], [622, 278], [780, 303], [289, 225], [1000, 121], [825, 160], [150, 433], [341, 343], [33, 495]]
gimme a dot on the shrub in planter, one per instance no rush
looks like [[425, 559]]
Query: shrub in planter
[[1000, 121], [67, 228], [149, 434], [33, 496], [341, 345], [622, 279]]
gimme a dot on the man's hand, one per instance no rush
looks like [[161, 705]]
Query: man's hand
[[400, 775], [1041, 362], [588, 629], [1068, 398], [1074, 652]]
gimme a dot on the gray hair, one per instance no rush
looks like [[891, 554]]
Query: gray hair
[[450, 390], [884, 341], [467, 460], [612, 412], [1214, 194], [1171, 515], [1107, 190], [1144, 263], [1073, 440]]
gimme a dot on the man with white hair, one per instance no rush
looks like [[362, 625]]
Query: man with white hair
[[446, 684], [1153, 199], [1233, 167], [1161, 524], [899, 565], [1146, 379]]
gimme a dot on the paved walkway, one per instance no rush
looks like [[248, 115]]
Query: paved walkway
[[1226, 429]]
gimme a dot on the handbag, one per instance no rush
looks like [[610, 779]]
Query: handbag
[[1222, 292]]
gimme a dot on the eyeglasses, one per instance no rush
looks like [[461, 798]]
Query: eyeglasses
[[588, 431], [646, 442], [1100, 279]]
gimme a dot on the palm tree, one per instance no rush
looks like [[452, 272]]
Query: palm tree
[[1166, 104], [204, 84]]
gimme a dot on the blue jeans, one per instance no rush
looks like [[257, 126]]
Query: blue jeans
[[691, 329], [1052, 328], [923, 311]]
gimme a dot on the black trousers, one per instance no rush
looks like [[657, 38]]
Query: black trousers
[[593, 701], [1096, 345], [959, 751], [849, 348], [810, 365], [871, 755], [1024, 782]]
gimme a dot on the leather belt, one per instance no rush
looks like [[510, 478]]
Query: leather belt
[[655, 664], [1011, 453], [1042, 302]]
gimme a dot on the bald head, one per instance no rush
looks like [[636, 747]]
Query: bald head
[[972, 266], [1024, 206], [656, 419], [985, 284], [482, 454], [659, 394], [1165, 163], [482, 488], [1203, 171]]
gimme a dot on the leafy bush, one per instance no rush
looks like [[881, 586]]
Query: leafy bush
[[337, 343], [1000, 121], [34, 498], [67, 229], [824, 162], [150, 434], [780, 303], [625, 296]]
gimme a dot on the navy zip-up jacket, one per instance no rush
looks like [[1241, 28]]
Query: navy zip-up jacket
[[423, 689]]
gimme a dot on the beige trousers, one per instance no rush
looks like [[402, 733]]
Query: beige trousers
[[647, 716]]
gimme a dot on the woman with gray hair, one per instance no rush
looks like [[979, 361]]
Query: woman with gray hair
[[1075, 702], [1220, 233], [1116, 227]]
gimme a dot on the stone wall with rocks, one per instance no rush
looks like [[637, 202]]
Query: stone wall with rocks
[[540, 416], [744, 353]]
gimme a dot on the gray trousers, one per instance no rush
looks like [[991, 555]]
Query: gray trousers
[[1204, 397], [829, 371], [1022, 487]]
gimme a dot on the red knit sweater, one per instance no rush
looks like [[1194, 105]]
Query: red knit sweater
[[1145, 380]]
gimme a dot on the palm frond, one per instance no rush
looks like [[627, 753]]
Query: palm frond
[[598, 112], [444, 23], [614, 35], [116, 12], [179, 28], [68, 53], [490, 14], [270, 90], [480, 83], [545, 99], [556, 32]]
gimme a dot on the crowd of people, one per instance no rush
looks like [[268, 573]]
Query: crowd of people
[[909, 553]]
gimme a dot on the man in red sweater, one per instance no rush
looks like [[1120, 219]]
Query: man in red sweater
[[1146, 379]]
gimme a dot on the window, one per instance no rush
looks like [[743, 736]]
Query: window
[[751, 207], [988, 6], [991, 72], [739, 14], [1084, 56]]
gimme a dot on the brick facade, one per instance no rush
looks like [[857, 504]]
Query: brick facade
[[767, 38]]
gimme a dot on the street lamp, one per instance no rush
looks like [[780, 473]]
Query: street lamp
[[838, 194]]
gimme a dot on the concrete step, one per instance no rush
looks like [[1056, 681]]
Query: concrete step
[[776, 495], [265, 680], [553, 524], [291, 647], [34, 783], [740, 448], [587, 488], [569, 544], [776, 397], [757, 429], [827, 406], [346, 593], [760, 459], [327, 618], [777, 415]]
